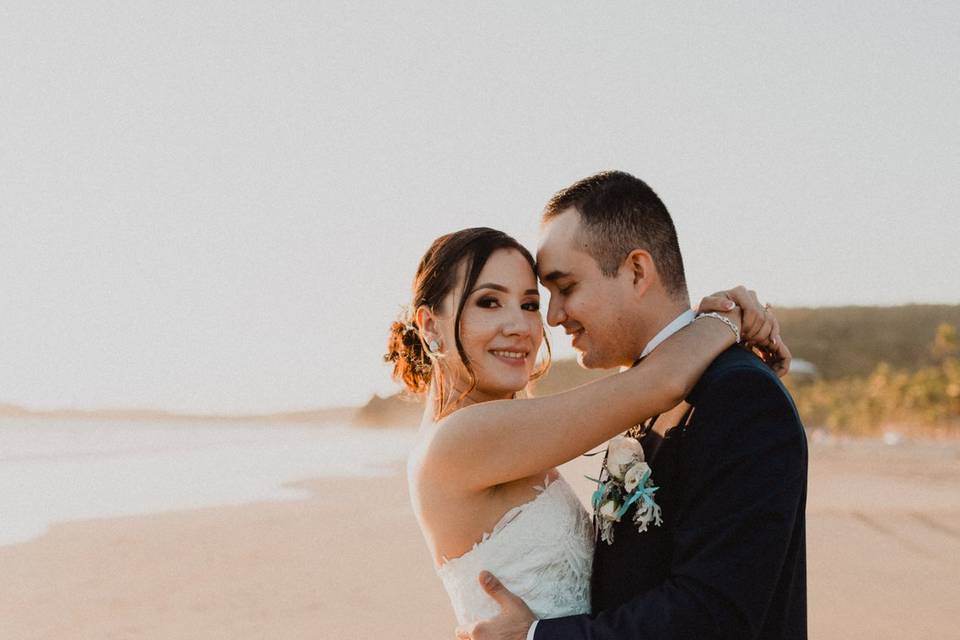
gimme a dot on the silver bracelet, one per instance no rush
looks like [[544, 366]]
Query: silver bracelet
[[725, 320]]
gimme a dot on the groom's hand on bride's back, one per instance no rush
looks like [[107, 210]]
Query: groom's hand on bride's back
[[513, 621], [759, 328]]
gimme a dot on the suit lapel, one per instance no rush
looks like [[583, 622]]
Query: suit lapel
[[660, 429]]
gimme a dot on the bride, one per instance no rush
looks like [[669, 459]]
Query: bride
[[482, 475]]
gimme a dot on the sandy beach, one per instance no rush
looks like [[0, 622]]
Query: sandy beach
[[349, 562]]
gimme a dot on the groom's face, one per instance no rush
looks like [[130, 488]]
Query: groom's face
[[596, 310]]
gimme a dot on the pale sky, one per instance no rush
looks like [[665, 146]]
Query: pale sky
[[219, 207]]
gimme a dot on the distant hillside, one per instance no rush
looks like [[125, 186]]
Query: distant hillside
[[846, 341], [12, 410], [393, 411]]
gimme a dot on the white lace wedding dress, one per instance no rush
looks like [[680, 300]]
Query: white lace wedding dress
[[541, 550]]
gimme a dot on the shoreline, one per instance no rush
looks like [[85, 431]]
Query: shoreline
[[266, 569], [348, 561], [60, 472]]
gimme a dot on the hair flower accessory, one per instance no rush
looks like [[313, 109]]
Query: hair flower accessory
[[629, 483]]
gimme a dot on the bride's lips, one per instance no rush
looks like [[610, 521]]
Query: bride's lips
[[511, 357]]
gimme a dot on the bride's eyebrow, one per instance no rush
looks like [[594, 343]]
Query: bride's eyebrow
[[500, 287]]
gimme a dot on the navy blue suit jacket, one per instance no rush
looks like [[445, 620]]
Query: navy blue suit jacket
[[729, 560]]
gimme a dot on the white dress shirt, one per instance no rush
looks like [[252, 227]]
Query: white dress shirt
[[678, 323]]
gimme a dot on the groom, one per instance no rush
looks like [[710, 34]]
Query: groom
[[729, 559]]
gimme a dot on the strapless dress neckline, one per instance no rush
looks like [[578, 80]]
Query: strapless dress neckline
[[504, 520], [542, 550]]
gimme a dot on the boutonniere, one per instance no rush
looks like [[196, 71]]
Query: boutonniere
[[628, 483]]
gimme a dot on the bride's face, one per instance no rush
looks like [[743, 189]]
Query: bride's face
[[500, 328]]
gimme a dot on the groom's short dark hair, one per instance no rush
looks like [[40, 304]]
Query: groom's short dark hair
[[620, 213]]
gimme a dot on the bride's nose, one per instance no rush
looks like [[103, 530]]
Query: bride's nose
[[516, 324]]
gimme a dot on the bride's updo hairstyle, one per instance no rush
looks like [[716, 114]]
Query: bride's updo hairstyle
[[413, 363]]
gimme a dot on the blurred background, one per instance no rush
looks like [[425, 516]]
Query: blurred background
[[211, 212]]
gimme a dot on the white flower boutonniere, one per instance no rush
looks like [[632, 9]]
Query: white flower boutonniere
[[629, 483]]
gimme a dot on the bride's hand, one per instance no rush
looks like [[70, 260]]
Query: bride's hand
[[727, 307], [759, 329]]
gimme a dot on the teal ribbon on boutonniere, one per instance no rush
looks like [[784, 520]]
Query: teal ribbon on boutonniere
[[612, 500], [598, 494], [644, 493]]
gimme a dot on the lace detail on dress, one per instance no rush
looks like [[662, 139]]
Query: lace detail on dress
[[541, 550]]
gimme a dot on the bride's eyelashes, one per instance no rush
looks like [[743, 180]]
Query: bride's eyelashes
[[488, 302]]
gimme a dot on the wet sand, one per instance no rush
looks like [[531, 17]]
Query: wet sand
[[883, 547]]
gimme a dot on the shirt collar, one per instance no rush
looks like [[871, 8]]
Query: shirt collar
[[678, 323]]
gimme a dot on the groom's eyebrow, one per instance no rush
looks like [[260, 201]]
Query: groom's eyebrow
[[499, 287], [554, 275]]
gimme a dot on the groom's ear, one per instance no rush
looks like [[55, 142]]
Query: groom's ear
[[639, 265]]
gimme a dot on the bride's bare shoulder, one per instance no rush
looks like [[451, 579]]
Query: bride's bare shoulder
[[442, 439], [430, 456], [436, 462]]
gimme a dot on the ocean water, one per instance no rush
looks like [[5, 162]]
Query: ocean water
[[61, 470]]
